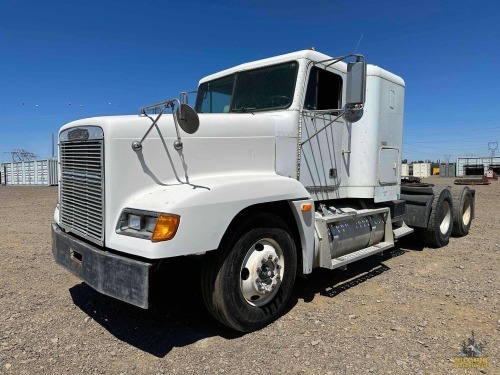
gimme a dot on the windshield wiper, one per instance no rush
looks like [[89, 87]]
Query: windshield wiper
[[243, 109]]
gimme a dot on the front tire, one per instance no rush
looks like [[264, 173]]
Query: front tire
[[247, 283]]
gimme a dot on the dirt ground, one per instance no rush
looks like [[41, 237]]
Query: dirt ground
[[406, 312]]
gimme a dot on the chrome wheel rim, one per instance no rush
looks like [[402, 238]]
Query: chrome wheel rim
[[445, 214], [466, 209], [261, 272]]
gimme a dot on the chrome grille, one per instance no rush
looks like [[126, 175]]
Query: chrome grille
[[82, 188]]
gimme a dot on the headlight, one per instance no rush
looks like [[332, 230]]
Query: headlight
[[134, 221], [154, 226], [150, 223]]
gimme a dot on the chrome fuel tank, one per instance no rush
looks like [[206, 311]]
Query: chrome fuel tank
[[355, 233]]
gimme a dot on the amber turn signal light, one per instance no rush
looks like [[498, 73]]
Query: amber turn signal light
[[306, 207], [166, 227]]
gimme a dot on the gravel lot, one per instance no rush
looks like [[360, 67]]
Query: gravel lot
[[406, 312]]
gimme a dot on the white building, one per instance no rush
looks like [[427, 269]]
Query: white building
[[477, 166]]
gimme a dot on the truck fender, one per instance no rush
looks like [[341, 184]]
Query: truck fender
[[306, 224], [206, 207]]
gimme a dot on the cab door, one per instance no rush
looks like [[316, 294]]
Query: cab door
[[321, 134]]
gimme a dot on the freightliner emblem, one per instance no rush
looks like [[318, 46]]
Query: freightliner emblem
[[78, 135]]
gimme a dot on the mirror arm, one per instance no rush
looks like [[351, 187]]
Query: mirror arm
[[334, 60], [323, 128], [178, 143], [184, 97], [137, 145]]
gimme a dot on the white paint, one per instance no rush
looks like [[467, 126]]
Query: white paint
[[237, 160]]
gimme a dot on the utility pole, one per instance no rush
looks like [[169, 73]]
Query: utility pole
[[492, 147]]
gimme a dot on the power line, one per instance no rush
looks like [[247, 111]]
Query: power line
[[19, 154]]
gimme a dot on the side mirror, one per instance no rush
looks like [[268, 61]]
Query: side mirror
[[187, 118], [356, 83]]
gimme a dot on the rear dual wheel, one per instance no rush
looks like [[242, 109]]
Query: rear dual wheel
[[248, 281], [440, 224], [462, 210]]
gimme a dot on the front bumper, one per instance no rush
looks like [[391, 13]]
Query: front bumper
[[113, 275]]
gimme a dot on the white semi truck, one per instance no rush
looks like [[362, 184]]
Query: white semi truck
[[284, 165]]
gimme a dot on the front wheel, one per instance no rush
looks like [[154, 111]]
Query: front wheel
[[247, 283]]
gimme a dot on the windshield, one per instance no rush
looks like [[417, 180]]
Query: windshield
[[260, 89]]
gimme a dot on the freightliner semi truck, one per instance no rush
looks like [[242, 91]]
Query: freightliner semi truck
[[283, 165]]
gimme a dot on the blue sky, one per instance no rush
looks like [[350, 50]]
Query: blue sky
[[63, 60]]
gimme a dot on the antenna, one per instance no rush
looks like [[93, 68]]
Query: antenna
[[359, 41], [492, 147]]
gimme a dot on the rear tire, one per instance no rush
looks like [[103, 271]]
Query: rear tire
[[247, 282], [438, 231], [462, 210]]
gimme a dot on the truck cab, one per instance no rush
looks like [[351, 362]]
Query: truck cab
[[283, 165]]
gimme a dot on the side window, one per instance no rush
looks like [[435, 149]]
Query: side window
[[324, 90]]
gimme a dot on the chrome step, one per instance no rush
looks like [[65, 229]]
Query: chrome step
[[360, 254], [401, 232]]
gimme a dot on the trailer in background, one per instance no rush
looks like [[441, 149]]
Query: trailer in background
[[447, 169], [421, 170], [405, 170], [35, 172], [477, 166]]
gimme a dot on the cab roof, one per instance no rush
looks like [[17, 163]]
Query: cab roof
[[308, 54]]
